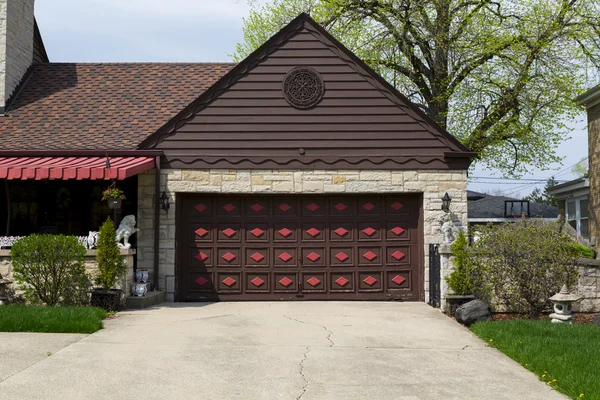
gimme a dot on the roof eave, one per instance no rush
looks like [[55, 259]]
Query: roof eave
[[590, 98]]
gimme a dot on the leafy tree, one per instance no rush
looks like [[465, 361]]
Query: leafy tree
[[461, 280], [51, 270], [537, 196], [581, 168], [524, 263], [111, 265], [499, 75]]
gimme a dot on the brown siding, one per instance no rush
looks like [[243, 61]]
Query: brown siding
[[594, 172], [356, 123], [39, 51]]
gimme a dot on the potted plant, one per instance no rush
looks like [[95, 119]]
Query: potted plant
[[113, 196], [111, 267], [460, 281]]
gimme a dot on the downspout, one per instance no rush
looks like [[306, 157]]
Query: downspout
[[156, 221], [7, 207]]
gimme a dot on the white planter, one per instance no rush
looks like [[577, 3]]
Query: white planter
[[141, 275], [140, 289]]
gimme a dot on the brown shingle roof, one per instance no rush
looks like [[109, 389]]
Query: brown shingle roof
[[101, 106]]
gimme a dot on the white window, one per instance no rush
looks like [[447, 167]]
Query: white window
[[577, 215]]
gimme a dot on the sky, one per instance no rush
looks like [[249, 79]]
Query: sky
[[208, 30]]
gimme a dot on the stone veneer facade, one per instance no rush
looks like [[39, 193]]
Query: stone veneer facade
[[16, 44], [431, 183], [594, 170]]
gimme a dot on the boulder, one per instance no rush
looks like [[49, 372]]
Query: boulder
[[473, 311], [597, 319]]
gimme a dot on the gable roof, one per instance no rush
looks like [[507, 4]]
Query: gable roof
[[304, 21], [490, 207], [64, 106]]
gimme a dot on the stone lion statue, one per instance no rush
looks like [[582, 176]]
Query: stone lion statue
[[449, 229], [125, 230]]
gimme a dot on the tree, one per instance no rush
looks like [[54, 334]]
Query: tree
[[499, 75], [581, 168], [111, 265], [521, 273], [537, 196]]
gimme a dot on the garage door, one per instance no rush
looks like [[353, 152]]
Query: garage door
[[299, 248]]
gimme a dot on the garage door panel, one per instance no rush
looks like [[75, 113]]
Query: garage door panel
[[228, 257], [285, 282], [201, 257], [299, 247], [369, 231], [257, 257], [285, 257], [341, 282], [398, 255], [313, 281], [341, 256], [341, 231], [313, 207], [313, 256], [370, 281], [257, 282], [229, 282], [285, 232]]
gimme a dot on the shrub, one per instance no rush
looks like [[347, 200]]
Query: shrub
[[582, 251], [111, 265], [51, 269], [524, 263], [461, 280]]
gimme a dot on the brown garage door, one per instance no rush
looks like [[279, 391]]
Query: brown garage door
[[299, 248]]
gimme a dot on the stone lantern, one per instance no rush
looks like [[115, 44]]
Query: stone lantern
[[562, 305], [3, 287]]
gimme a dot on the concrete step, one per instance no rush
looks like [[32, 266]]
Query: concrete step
[[150, 299]]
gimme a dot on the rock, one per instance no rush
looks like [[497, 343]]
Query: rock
[[597, 319], [473, 311]]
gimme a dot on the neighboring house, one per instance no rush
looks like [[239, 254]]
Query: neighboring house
[[573, 204], [484, 208], [591, 100], [297, 174]]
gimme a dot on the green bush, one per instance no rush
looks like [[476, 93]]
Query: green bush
[[111, 265], [51, 270], [580, 250], [461, 281], [524, 263]]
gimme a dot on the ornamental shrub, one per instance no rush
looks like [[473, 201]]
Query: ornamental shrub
[[51, 270], [111, 265], [582, 251], [461, 281], [524, 263]]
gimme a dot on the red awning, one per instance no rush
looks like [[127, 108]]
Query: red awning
[[79, 168]]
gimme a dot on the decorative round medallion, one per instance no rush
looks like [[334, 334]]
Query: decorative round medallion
[[303, 87]]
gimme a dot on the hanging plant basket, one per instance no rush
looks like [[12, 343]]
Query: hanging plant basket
[[114, 203]]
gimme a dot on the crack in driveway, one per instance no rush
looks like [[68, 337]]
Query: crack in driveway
[[329, 332], [305, 384]]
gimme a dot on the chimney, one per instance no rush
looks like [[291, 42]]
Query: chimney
[[16, 45]]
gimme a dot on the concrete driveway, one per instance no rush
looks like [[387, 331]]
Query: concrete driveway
[[308, 350]]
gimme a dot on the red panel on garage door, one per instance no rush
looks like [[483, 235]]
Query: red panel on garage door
[[299, 248]]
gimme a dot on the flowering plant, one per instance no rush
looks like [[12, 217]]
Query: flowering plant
[[113, 193]]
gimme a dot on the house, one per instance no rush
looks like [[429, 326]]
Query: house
[[573, 204], [297, 174], [591, 101], [484, 208]]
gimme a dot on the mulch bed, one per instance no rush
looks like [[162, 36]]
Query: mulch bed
[[580, 318]]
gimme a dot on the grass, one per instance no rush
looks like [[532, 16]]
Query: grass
[[18, 318], [566, 357]]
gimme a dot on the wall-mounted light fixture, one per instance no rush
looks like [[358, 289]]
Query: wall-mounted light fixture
[[446, 202], [164, 201]]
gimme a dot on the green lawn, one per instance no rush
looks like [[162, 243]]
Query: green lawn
[[17, 318], [567, 357]]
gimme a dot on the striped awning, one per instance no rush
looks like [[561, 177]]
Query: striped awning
[[79, 168]]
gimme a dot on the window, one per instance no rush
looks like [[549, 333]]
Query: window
[[577, 215], [516, 208]]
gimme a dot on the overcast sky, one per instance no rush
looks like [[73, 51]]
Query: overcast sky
[[198, 30]]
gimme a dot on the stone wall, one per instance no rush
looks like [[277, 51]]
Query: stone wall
[[91, 266], [589, 286], [16, 44], [432, 184]]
